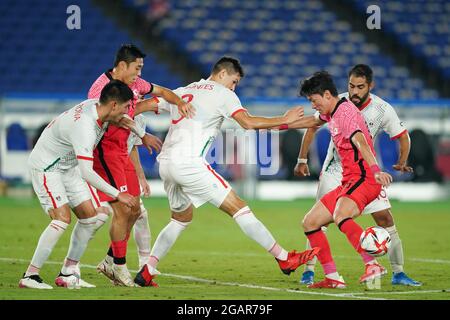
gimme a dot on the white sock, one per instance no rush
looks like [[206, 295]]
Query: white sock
[[45, 245], [255, 230], [395, 252], [142, 236], [81, 234], [334, 276], [103, 214], [167, 238]]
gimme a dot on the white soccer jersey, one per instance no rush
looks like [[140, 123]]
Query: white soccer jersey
[[73, 134], [133, 139], [191, 138], [379, 115]]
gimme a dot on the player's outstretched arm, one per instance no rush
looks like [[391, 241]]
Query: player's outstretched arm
[[185, 109], [92, 178], [302, 169], [146, 105], [247, 121], [359, 141], [405, 147]]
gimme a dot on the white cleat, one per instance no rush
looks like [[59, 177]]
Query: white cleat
[[122, 276], [84, 284], [71, 281], [75, 269], [33, 282], [106, 268]]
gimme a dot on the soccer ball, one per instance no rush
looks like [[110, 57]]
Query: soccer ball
[[375, 241]]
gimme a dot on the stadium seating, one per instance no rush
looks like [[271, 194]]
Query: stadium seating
[[16, 137], [280, 42], [41, 55], [423, 26]]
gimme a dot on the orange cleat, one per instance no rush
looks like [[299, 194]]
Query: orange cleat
[[328, 284], [296, 259], [373, 271]]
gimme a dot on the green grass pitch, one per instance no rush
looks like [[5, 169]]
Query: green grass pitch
[[213, 259]]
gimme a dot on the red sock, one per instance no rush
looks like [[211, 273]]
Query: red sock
[[353, 232], [318, 239], [119, 249]]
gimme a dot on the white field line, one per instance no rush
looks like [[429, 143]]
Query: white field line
[[354, 295], [348, 295]]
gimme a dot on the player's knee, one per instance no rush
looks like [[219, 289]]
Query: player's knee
[[309, 224], [384, 219], [183, 216]]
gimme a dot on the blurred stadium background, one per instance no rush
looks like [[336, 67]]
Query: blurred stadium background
[[49, 68]]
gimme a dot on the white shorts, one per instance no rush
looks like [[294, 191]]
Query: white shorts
[[192, 183], [55, 189], [328, 182]]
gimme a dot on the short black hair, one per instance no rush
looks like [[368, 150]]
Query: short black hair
[[116, 90], [362, 70], [318, 83], [128, 53], [232, 65]]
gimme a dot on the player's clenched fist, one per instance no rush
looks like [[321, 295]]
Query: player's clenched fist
[[127, 199], [186, 109], [301, 170], [383, 178], [150, 141], [293, 114]]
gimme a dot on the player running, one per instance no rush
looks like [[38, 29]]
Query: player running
[[190, 181], [362, 178], [61, 172], [380, 116], [111, 160]]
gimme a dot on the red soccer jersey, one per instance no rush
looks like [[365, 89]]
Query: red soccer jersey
[[343, 123], [115, 138]]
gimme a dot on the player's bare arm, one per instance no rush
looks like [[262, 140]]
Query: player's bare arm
[[92, 178], [134, 157], [405, 146], [301, 168], [249, 122], [361, 144], [148, 140], [146, 105], [185, 109]]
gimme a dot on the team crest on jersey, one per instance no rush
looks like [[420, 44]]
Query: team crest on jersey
[[123, 189], [58, 198], [335, 131]]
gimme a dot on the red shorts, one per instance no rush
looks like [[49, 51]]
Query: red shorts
[[359, 190], [119, 172]]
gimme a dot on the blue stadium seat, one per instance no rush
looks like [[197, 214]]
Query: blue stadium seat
[[46, 49], [16, 137]]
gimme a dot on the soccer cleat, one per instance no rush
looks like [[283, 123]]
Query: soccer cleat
[[122, 276], [84, 284], [144, 278], [296, 259], [69, 281], [307, 277], [400, 278], [328, 283], [33, 282], [75, 269], [373, 271], [106, 268]]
